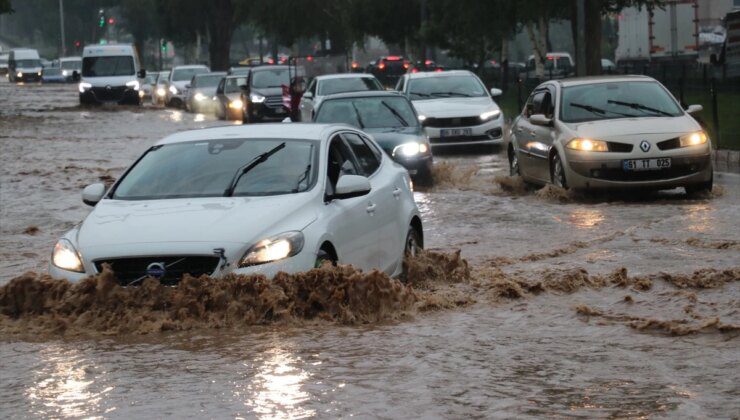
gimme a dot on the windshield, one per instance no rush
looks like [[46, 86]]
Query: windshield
[[72, 65], [27, 63], [108, 66], [348, 84], [208, 81], [187, 74], [206, 168], [233, 84], [162, 77], [602, 101], [446, 87], [270, 78], [52, 71], [372, 112]]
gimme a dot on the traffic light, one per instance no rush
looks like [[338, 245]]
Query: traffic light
[[101, 18], [77, 44], [164, 46], [111, 21]]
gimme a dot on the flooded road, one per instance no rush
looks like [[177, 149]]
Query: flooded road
[[553, 342]]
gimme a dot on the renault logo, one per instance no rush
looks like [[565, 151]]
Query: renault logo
[[645, 146], [156, 270], [108, 87]]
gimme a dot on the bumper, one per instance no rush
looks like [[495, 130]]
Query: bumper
[[488, 133], [415, 165], [28, 77], [584, 172], [118, 95], [264, 112]]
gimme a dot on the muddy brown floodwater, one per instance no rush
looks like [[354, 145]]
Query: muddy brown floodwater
[[623, 306]]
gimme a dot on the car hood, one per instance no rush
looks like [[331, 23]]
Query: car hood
[[216, 219], [109, 81], [207, 91], [390, 138], [635, 128], [454, 107], [278, 91]]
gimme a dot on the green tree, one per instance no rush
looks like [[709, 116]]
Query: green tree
[[5, 7]]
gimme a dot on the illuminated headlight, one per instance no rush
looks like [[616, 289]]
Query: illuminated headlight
[[588, 145], [66, 257], [694, 139], [257, 99], [199, 96], [236, 104], [39, 73], [273, 249], [134, 84], [422, 118], [410, 149], [19, 74], [65, 73], [173, 90], [161, 91], [84, 86], [489, 115], [141, 94]]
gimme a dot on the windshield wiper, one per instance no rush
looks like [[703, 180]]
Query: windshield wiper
[[395, 114], [595, 110], [451, 94], [641, 107], [249, 166], [359, 118], [307, 171]]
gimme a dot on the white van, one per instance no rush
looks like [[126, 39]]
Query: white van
[[24, 65], [559, 64], [110, 74], [69, 65]]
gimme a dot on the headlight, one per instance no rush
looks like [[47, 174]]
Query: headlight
[[489, 115], [39, 73], [161, 91], [410, 149], [199, 96], [84, 86], [422, 118], [588, 145], [236, 104], [273, 249], [173, 90], [19, 74], [65, 73], [694, 139], [141, 94], [66, 257], [257, 99], [134, 84]]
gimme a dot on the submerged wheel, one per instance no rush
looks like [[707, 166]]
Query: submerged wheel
[[558, 172], [323, 257], [513, 163], [703, 188], [413, 246]]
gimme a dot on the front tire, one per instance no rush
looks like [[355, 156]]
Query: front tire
[[558, 172], [323, 257], [700, 189], [412, 246], [513, 163]]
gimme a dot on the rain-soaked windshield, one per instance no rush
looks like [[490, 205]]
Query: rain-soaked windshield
[[108, 66], [270, 78], [187, 73], [208, 80], [23, 64], [348, 84], [446, 87], [71, 65], [600, 101], [370, 112], [206, 168]]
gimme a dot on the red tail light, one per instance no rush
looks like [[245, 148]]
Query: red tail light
[[393, 58], [405, 65], [428, 62], [309, 58], [270, 61], [438, 70], [381, 66], [355, 65], [414, 70]]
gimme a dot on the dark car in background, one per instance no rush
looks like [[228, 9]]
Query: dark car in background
[[202, 91], [389, 69], [390, 118], [262, 95], [228, 103], [53, 75]]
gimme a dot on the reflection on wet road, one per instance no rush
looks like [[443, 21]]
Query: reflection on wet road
[[534, 357]]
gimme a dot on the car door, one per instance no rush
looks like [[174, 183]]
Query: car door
[[542, 136], [221, 99], [352, 222], [385, 196], [532, 151], [307, 104]]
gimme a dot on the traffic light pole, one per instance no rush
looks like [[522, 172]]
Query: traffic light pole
[[61, 27]]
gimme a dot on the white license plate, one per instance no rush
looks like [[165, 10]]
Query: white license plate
[[456, 132], [646, 164]]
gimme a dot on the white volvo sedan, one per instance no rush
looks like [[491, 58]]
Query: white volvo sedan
[[247, 199], [610, 132], [454, 108]]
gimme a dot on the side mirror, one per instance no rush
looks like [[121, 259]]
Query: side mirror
[[496, 92], [308, 95], [350, 186], [540, 119], [141, 74], [93, 193], [76, 76], [693, 109]]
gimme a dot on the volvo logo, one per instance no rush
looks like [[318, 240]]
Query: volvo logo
[[156, 270], [645, 146]]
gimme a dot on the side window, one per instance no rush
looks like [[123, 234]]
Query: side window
[[400, 84], [312, 87], [340, 163], [548, 105], [366, 157], [537, 101], [528, 107], [220, 88]]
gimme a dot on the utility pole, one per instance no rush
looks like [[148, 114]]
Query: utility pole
[[61, 27], [424, 17], [581, 41]]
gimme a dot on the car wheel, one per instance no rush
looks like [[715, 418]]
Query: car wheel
[[324, 257], [558, 172], [424, 177], [513, 163], [699, 189], [412, 246]]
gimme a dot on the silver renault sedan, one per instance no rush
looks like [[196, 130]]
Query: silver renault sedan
[[609, 132]]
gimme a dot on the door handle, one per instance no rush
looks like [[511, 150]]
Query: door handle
[[371, 208], [397, 192]]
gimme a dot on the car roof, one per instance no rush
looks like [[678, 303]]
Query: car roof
[[307, 131], [364, 94], [73, 58], [269, 67], [603, 79], [343, 76], [212, 73], [190, 66], [426, 74]]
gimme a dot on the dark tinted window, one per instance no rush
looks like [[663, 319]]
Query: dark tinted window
[[108, 66], [348, 84], [367, 160], [270, 78], [369, 112], [233, 84]]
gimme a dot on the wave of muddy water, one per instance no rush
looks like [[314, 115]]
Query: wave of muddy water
[[548, 324]]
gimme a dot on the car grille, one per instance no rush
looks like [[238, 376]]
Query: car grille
[[673, 143], [274, 102], [619, 147], [462, 139], [453, 122], [113, 94], [128, 270]]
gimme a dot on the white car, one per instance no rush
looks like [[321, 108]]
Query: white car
[[110, 74], [178, 81], [454, 107], [248, 200], [322, 86]]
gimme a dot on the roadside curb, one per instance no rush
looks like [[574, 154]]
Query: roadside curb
[[729, 156]]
